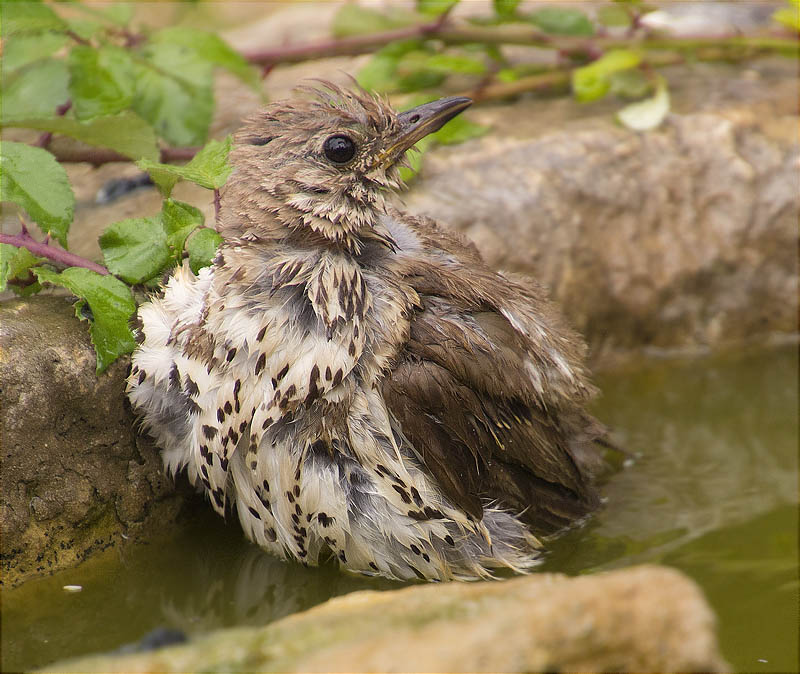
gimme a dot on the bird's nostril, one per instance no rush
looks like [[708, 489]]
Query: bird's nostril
[[413, 119]]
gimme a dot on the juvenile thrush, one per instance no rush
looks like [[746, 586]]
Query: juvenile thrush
[[354, 381]]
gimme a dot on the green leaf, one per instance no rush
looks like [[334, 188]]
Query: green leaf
[[458, 130], [127, 133], [380, 72], [179, 220], [352, 19], [135, 249], [614, 16], [30, 17], [434, 7], [209, 168], [789, 16], [112, 306], [202, 247], [101, 81], [562, 21], [646, 114], [632, 84], [21, 50], [451, 63], [505, 9], [212, 49], [32, 178], [15, 263], [35, 90], [119, 13], [593, 81], [174, 93]]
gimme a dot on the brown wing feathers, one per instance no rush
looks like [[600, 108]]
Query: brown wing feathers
[[466, 400]]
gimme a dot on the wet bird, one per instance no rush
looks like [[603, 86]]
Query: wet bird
[[353, 381]]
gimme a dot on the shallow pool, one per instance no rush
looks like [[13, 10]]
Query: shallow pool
[[714, 492]]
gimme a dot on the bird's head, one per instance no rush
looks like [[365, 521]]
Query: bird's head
[[323, 164]]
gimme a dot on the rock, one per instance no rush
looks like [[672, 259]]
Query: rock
[[75, 475], [680, 238], [640, 619]]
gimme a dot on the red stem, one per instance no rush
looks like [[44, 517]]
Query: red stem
[[103, 156], [58, 255]]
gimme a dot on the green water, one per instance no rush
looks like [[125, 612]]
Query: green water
[[713, 493]]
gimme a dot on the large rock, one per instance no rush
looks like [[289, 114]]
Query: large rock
[[682, 237], [75, 477], [640, 619]]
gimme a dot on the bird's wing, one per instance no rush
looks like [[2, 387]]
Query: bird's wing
[[489, 390]]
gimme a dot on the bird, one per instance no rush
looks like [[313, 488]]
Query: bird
[[354, 382]]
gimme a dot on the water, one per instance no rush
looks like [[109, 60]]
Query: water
[[714, 494]]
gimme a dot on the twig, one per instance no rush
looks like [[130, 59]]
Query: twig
[[508, 34], [57, 255], [216, 208], [47, 136], [98, 156]]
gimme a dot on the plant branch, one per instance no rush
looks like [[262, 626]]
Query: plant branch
[[516, 34], [98, 156], [57, 255]]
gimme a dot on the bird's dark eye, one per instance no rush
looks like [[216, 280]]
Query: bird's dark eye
[[339, 149]]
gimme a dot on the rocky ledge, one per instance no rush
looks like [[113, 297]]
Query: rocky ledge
[[645, 619]]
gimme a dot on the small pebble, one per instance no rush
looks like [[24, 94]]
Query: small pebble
[[73, 588]]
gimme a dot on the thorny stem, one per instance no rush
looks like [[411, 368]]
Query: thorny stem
[[103, 156], [47, 136], [216, 207], [57, 255]]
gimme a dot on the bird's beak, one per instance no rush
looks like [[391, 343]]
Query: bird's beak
[[418, 122]]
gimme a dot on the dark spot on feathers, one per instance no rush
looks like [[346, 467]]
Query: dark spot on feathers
[[298, 509], [297, 474], [415, 495], [295, 518], [190, 386], [254, 513], [266, 424], [242, 426], [210, 432], [417, 515], [261, 333], [204, 471], [223, 463], [426, 557], [325, 520], [262, 361], [449, 540], [296, 490], [290, 496], [231, 354], [417, 572], [174, 377], [314, 373], [218, 497], [220, 415], [337, 379], [406, 498], [228, 407], [236, 388], [414, 549], [328, 373], [351, 350], [142, 376], [265, 485], [253, 464], [342, 557], [433, 513], [193, 407], [271, 535], [373, 566], [283, 371]]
